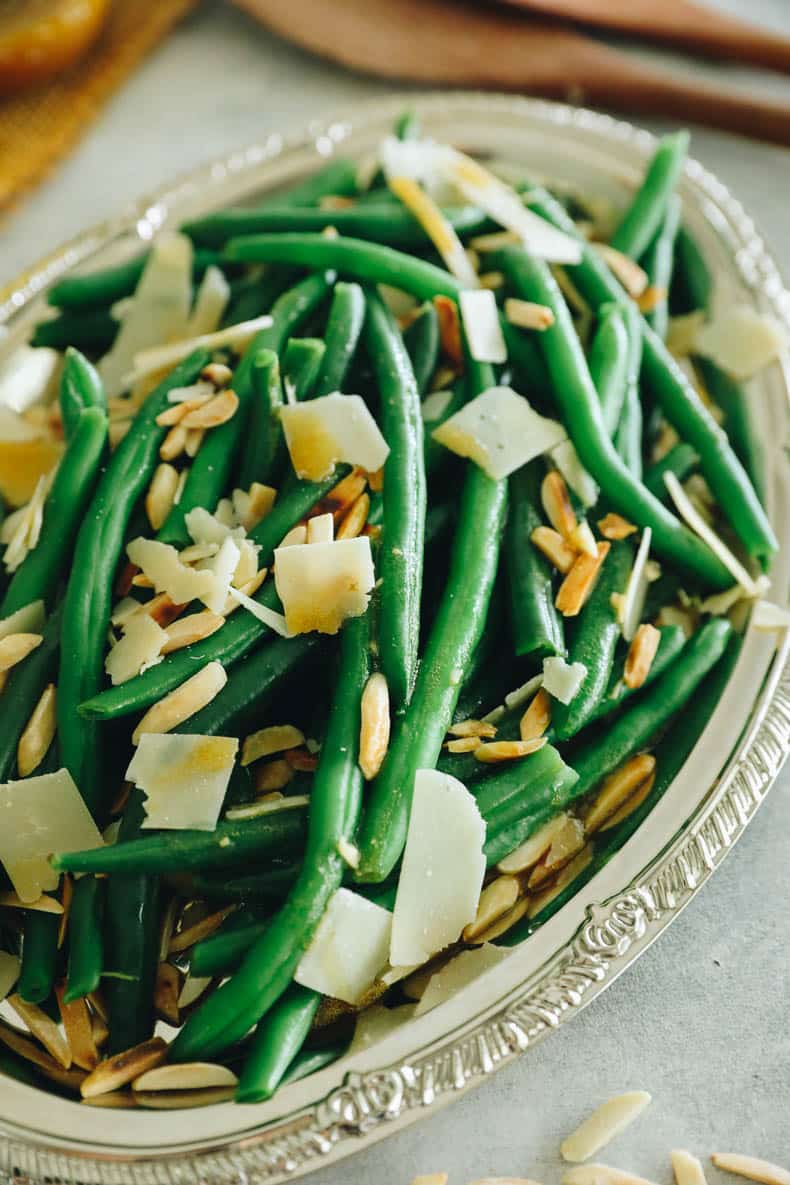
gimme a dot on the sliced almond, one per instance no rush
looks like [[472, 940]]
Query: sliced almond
[[197, 551], [583, 540], [551, 544], [217, 411], [566, 877], [185, 1076], [182, 703], [254, 504], [374, 731], [494, 751], [537, 717], [16, 647], [217, 373], [342, 496], [557, 504], [601, 1174], [180, 1100], [449, 330], [38, 733], [504, 1181], [78, 1029], [161, 494], [617, 788], [614, 526], [578, 584], [266, 741], [472, 728], [630, 805], [162, 609], [167, 989], [123, 1068], [173, 444], [651, 298], [193, 441], [687, 1168], [354, 522], [117, 1100], [492, 280], [43, 1029], [606, 1122], [527, 854], [462, 745], [273, 775], [201, 929], [295, 537], [249, 589], [190, 629], [43, 904], [528, 315], [28, 1049], [175, 413], [630, 274], [640, 656], [505, 922], [495, 900], [751, 1167], [566, 843]]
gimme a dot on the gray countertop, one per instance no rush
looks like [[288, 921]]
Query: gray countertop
[[702, 1021]]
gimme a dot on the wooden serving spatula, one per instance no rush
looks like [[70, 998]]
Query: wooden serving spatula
[[678, 22], [462, 44]]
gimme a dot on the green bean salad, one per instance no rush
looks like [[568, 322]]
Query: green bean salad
[[373, 559]]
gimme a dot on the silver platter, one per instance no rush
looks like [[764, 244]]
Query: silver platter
[[544, 982]]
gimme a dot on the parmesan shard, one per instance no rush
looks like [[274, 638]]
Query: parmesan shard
[[742, 341], [165, 357], [161, 564], [139, 647], [631, 607], [210, 303], [694, 519], [376, 1023], [442, 871], [270, 617], [562, 679], [349, 948], [483, 332], [221, 568], [606, 1122], [770, 617], [335, 428], [458, 973], [499, 431], [184, 777], [566, 459], [322, 584], [38, 816]]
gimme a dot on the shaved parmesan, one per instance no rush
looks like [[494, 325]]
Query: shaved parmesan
[[210, 303], [38, 816], [236, 337], [376, 1023], [321, 584], [480, 317], [606, 1122], [221, 567], [159, 310], [139, 647], [437, 227], [742, 340], [694, 519], [275, 621], [442, 871], [769, 617], [567, 461], [321, 529], [23, 529], [247, 567], [204, 527], [28, 376], [27, 620], [499, 431], [335, 428], [458, 973], [435, 405], [184, 778], [349, 948], [562, 679], [160, 563], [15, 428], [682, 333], [632, 604], [414, 158], [10, 967]]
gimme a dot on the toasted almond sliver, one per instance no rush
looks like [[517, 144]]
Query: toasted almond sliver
[[185, 1076], [43, 1028], [494, 751], [651, 298], [554, 547], [606, 1122], [162, 610], [531, 850], [249, 589], [472, 728], [43, 904], [630, 805], [348, 852], [630, 274], [79, 1030], [430, 1179], [266, 741], [565, 878], [116, 431], [193, 441], [116, 1100], [256, 504], [614, 526], [687, 1168], [122, 1068], [495, 900], [557, 504], [583, 540], [374, 730], [175, 413], [15, 647], [506, 922], [167, 989], [528, 315], [161, 494], [32, 1052], [182, 703], [640, 656], [217, 373], [617, 788], [273, 775], [173, 444], [462, 745], [354, 522], [537, 717], [751, 1167], [217, 411], [192, 628], [567, 842], [197, 551], [38, 733], [192, 934], [180, 1100], [601, 1174], [492, 280], [578, 584], [341, 497], [449, 330]]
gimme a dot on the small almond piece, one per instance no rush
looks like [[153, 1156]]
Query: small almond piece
[[217, 373], [173, 444], [630, 805], [462, 744], [630, 274], [751, 1167], [494, 751], [354, 522], [551, 544], [43, 1028], [15, 647], [193, 441], [38, 733], [606, 1122], [266, 741], [578, 584], [43, 904], [568, 874], [472, 728], [192, 628], [167, 989], [687, 1168], [583, 540], [122, 1068], [183, 702], [78, 1029], [567, 842], [274, 775], [528, 315], [617, 788], [161, 494], [557, 504], [527, 854], [537, 717], [505, 922], [374, 731], [640, 656], [495, 900], [185, 1076], [614, 527], [449, 330], [217, 411], [192, 934]]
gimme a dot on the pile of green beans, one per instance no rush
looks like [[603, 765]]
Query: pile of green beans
[[464, 613]]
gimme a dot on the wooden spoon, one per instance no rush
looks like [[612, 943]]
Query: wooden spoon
[[679, 22], [442, 41]]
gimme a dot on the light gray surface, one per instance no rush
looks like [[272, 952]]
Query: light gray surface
[[703, 1019]]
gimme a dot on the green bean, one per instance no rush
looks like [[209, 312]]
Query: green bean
[[579, 403], [310, 1061], [80, 388], [91, 330], [419, 733], [343, 330], [301, 364], [86, 612], [380, 224], [217, 459], [278, 1039], [647, 211], [39, 956], [262, 460], [534, 622], [26, 681], [41, 572], [267, 887], [105, 287], [404, 498], [609, 362], [279, 834], [338, 178], [593, 644], [334, 808], [659, 262], [519, 799], [251, 296], [680, 460], [530, 371], [237, 637], [628, 438], [86, 946], [421, 340], [681, 405], [222, 952]]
